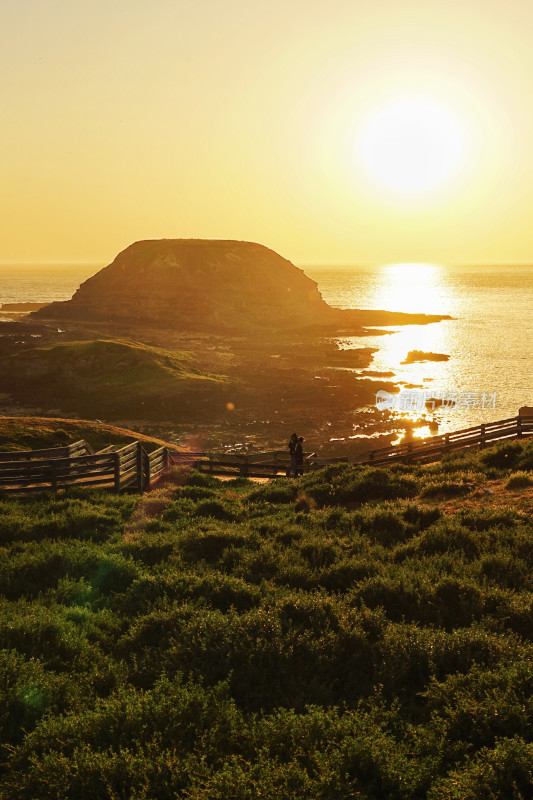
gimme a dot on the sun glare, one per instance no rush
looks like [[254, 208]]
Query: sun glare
[[411, 147]]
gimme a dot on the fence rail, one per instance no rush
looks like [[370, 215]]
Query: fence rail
[[78, 448], [249, 465], [434, 448], [30, 472]]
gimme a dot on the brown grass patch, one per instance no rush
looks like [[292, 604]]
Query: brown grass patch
[[153, 502]]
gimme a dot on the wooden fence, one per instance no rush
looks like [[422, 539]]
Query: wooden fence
[[277, 462], [131, 467], [269, 464], [435, 447], [34, 471]]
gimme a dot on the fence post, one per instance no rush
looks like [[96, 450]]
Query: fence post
[[244, 468], [116, 471], [519, 431], [147, 469], [446, 442], [140, 468], [54, 477], [27, 469], [482, 442]]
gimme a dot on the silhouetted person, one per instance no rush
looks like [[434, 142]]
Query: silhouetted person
[[299, 453], [293, 441]]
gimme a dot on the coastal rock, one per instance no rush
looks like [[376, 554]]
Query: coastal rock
[[205, 285], [196, 284], [419, 355]]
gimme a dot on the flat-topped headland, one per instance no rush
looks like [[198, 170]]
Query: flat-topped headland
[[211, 286]]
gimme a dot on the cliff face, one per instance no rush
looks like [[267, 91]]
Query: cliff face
[[197, 284]]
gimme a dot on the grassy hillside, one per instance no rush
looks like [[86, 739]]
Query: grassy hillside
[[107, 377], [356, 633], [36, 433]]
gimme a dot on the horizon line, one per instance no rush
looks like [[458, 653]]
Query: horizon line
[[314, 264]]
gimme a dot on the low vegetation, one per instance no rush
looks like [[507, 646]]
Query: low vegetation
[[108, 377], [355, 633], [40, 433]]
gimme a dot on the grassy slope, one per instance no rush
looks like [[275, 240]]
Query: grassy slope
[[34, 433], [357, 633], [104, 375]]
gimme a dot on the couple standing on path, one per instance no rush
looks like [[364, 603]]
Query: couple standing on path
[[296, 452]]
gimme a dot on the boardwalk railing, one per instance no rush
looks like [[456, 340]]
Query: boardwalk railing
[[434, 448], [34, 471], [277, 462], [248, 465], [131, 467], [81, 448]]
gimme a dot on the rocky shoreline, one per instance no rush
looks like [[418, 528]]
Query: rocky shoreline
[[224, 343], [272, 387]]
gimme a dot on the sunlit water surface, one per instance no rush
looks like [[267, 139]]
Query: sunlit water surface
[[41, 283], [489, 340]]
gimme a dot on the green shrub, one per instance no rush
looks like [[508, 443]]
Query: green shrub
[[420, 517], [196, 493], [278, 491], [319, 553], [218, 509], [114, 574], [487, 518], [209, 545], [446, 537], [34, 567], [343, 483], [40, 633], [374, 647], [501, 773], [26, 693], [519, 480], [384, 526], [504, 570], [503, 456], [446, 488], [150, 548], [195, 478], [345, 574]]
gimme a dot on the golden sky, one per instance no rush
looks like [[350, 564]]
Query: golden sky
[[133, 119]]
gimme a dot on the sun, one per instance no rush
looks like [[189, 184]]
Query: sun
[[411, 146]]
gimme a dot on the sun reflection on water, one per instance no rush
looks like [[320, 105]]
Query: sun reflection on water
[[421, 289], [421, 432], [412, 288], [415, 288], [487, 338]]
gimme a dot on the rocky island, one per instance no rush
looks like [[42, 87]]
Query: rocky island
[[210, 285]]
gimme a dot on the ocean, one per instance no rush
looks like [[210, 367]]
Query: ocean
[[41, 283], [489, 340]]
